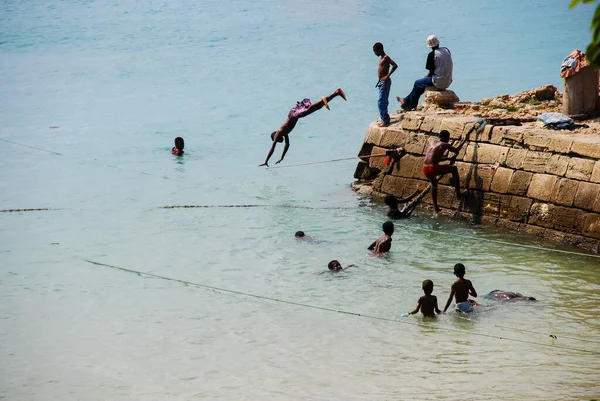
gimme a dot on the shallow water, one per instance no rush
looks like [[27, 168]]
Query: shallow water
[[122, 79]]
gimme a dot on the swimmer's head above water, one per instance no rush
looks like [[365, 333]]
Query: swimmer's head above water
[[391, 201], [427, 287], [178, 148], [388, 228], [459, 270], [299, 234], [335, 266]]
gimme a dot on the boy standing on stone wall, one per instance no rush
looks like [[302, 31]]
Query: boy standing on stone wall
[[385, 83]]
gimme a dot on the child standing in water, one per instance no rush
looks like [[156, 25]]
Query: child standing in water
[[384, 82], [383, 244], [178, 148], [427, 303], [461, 288]]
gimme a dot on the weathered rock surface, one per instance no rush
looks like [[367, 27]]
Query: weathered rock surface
[[443, 99], [517, 174]]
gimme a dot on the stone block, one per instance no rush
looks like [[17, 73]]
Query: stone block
[[512, 225], [507, 135], [364, 172], [580, 241], [512, 135], [377, 162], [480, 177], [515, 158], [412, 122], [557, 165], [591, 225], [413, 185], [518, 209], [580, 169], [432, 124], [392, 137], [418, 170], [486, 153], [560, 143], [456, 125], [533, 230], [587, 146], [415, 143], [491, 204], [486, 135], [596, 207], [537, 140], [501, 180], [519, 183], [374, 134], [496, 134], [473, 202], [596, 172], [559, 218], [564, 192], [378, 182], [536, 161], [464, 172], [445, 196], [586, 196], [393, 185], [542, 187], [408, 164]]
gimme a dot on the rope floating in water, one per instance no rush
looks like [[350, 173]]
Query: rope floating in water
[[332, 160], [232, 206], [26, 210], [555, 336], [31, 147], [221, 290]]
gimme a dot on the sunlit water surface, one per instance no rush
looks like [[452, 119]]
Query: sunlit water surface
[[122, 79]]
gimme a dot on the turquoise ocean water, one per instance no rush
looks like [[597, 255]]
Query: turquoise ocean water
[[122, 79]]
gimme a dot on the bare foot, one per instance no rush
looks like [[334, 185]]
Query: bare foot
[[400, 100], [340, 91], [326, 104]]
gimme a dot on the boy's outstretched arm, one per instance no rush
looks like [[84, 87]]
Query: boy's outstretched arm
[[266, 163], [435, 307], [285, 148], [472, 290], [416, 309], [449, 300]]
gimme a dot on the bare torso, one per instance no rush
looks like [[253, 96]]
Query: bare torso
[[384, 67], [461, 289], [383, 244], [435, 151], [428, 305]]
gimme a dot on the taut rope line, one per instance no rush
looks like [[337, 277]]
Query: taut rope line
[[331, 160], [32, 147], [218, 289]]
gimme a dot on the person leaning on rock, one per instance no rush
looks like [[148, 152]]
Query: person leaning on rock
[[439, 64]]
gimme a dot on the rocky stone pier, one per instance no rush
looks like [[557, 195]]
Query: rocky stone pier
[[521, 176]]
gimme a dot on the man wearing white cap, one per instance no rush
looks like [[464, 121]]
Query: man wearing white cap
[[439, 64]]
